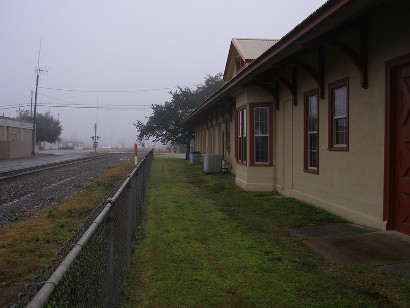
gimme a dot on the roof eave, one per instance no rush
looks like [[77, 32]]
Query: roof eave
[[228, 60], [305, 26]]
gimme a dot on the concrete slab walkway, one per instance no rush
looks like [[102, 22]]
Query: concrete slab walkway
[[353, 244]]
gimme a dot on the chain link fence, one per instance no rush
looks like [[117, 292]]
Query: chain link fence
[[92, 267]]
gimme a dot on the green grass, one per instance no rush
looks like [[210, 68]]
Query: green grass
[[205, 242]]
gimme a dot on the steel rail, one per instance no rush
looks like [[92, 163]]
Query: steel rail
[[43, 167]]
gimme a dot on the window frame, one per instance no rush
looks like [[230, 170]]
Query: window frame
[[239, 64], [241, 132], [306, 167], [252, 107], [331, 133]]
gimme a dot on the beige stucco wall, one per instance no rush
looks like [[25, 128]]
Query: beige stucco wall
[[349, 184], [253, 178]]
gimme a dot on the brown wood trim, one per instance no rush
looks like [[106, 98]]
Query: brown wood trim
[[241, 162], [273, 89], [228, 59], [327, 10], [360, 57], [321, 71], [338, 149], [312, 171], [291, 85], [305, 117], [317, 75], [276, 94], [332, 86], [236, 135], [357, 58], [391, 66], [251, 134]]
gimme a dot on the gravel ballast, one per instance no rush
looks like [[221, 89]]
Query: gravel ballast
[[24, 196]]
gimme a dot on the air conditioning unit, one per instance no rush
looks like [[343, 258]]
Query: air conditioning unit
[[195, 158], [212, 163]]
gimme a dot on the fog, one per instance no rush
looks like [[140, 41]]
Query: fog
[[122, 56]]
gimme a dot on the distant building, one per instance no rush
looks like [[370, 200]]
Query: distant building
[[71, 145], [15, 138], [49, 146]]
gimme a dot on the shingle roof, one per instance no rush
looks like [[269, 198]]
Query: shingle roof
[[251, 48]]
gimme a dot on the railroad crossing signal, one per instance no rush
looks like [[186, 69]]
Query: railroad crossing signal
[[95, 142], [95, 138]]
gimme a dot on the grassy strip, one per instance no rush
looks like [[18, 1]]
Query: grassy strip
[[27, 246], [205, 242]]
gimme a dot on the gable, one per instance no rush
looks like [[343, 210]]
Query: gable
[[242, 52]]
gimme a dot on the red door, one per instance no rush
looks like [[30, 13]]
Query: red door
[[401, 150]]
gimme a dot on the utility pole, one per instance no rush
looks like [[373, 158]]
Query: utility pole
[[58, 140], [95, 138], [38, 71], [31, 104]]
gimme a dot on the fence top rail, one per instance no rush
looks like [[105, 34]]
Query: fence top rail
[[127, 179], [43, 295]]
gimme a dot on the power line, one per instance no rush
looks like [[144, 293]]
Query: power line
[[5, 107], [81, 106], [117, 107], [113, 91], [68, 102], [139, 108]]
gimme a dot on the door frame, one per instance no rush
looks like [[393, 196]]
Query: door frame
[[389, 141]]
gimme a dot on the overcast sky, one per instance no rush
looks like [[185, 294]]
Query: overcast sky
[[147, 47]]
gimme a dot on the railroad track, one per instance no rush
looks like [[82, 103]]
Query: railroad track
[[24, 192], [44, 167]]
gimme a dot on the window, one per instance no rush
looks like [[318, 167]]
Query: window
[[311, 155], [239, 64], [241, 136], [261, 134], [339, 115]]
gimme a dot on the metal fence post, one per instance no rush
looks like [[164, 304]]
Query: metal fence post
[[139, 191], [130, 224], [142, 183], [94, 270], [110, 260], [137, 201]]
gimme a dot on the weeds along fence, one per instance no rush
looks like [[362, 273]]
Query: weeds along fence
[[93, 272]]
